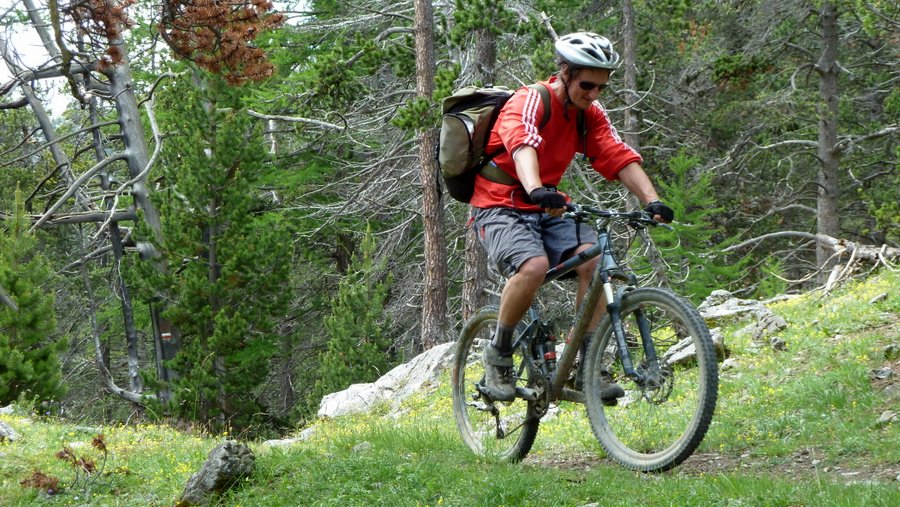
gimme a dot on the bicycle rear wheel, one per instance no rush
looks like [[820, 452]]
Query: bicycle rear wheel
[[660, 421], [502, 430]]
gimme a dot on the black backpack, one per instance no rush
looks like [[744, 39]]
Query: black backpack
[[469, 115]]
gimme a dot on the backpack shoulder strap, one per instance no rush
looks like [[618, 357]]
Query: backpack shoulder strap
[[581, 126], [580, 122]]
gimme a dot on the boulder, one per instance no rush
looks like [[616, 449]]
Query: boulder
[[355, 399], [7, 434], [684, 351], [768, 324], [721, 305], [394, 386], [286, 442], [227, 463], [404, 380]]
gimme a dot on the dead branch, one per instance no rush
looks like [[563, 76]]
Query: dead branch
[[157, 139], [5, 299], [77, 185], [16, 104], [295, 119], [57, 141], [863, 252], [80, 218], [546, 21], [848, 141]]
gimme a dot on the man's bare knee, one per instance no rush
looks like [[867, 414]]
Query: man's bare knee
[[534, 270]]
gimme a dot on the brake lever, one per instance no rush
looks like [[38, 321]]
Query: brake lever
[[646, 219]]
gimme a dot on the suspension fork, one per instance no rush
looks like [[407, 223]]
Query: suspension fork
[[614, 309], [643, 324], [652, 371]]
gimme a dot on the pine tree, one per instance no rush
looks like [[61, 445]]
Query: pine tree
[[229, 255], [691, 250], [358, 346], [29, 364]]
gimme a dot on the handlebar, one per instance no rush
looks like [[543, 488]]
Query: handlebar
[[637, 218]]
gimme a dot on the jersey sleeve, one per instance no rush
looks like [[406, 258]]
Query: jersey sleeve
[[607, 151], [518, 122]]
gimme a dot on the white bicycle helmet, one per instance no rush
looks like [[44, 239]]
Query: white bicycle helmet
[[587, 49]]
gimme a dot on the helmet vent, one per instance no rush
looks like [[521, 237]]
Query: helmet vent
[[594, 54]]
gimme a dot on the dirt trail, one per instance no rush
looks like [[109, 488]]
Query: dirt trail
[[806, 463]]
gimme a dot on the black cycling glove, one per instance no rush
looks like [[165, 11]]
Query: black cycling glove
[[547, 199], [656, 207]]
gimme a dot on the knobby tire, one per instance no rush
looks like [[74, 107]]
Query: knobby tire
[[653, 428]]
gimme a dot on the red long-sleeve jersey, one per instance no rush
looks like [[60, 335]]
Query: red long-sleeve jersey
[[556, 145]]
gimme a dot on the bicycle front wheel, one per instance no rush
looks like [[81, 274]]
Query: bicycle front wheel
[[501, 430], [667, 410]]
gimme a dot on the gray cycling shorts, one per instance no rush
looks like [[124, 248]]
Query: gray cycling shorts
[[511, 237]]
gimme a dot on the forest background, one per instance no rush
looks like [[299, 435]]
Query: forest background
[[240, 210]]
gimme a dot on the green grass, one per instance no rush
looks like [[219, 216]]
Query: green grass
[[814, 399]]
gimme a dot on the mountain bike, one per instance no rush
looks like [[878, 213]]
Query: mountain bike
[[669, 398]]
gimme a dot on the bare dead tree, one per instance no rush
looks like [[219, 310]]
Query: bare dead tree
[[828, 217], [632, 129], [475, 276], [434, 295], [85, 43]]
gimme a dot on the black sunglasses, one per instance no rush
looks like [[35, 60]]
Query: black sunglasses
[[589, 86]]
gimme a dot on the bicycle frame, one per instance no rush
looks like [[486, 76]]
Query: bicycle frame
[[601, 285], [635, 389]]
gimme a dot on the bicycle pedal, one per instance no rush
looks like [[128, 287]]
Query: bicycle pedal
[[482, 407]]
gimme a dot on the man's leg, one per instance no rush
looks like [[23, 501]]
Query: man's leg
[[518, 293]]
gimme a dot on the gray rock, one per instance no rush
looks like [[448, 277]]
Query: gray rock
[[407, 378], [768, 324], [302, 437], [684, 351], [729, 364], [395, 386], [7, 433], [357, 398], [7, 410], [878, 298], [228, 463], [721, 306], [882, 373], [892, 393], [887, 417], [778, 344], [362, 447]]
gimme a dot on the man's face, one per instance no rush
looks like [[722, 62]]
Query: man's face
[[585, 86]]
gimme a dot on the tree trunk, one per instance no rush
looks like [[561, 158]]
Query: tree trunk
[[137, 157], [632, 127], [476, 271], [135, 382], [434, 293], [485, 55], [828, 222]]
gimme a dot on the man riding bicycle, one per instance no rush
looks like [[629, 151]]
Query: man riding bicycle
[[520, 225]]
